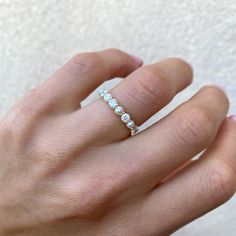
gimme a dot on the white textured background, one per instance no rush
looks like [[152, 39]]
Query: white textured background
[[37, 36]]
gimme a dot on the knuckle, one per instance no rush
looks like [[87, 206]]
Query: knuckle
[[160, 83], [49, 151], [20, 122], [7, 135], [196, 126], [47, 159], [23, 110], [120, 67], [84, 62], [151, 87], [220, 183], [93, 196], [29, 102]]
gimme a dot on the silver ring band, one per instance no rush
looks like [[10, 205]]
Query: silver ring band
[[119, 110]]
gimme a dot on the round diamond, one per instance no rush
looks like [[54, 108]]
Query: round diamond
[[113, 103], [107, 97], [102, 92], [119, 110], [125, 118], [130, 124]]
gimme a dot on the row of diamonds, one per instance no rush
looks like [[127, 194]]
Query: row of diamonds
[[119, 110]]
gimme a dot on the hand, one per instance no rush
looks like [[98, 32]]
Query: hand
[[67, 170]]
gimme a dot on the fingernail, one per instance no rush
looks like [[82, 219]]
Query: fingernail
[[137, 60], [232, 117]]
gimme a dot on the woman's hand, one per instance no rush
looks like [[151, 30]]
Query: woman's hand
[[67, 170]]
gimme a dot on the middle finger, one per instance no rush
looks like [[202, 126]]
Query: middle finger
[[167, 145]]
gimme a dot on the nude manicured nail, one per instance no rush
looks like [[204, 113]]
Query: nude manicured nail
[[137, 60], [233, 117]]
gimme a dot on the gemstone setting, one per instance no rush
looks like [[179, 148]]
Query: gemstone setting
[[131, 124], [113, 103], [107, 97], [102, 92], [119, 110], [125, 118]]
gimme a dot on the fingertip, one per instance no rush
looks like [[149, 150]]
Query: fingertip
[[232, 118], [215, 92], [186, 66], [229, 126], [137, 60]]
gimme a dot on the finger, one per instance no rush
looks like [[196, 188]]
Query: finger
[[99, 125], [82, 74], [223, 147], [201, 187], [142, 94], [177, 138], [69, 85]]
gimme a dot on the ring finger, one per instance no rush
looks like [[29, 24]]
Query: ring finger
[[142, 94]]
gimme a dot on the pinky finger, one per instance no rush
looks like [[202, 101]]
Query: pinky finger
[[197, 189]]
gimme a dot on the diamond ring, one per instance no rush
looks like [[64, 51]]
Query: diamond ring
[[119, 110]]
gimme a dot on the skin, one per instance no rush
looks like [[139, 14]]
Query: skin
[[67, 170]]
